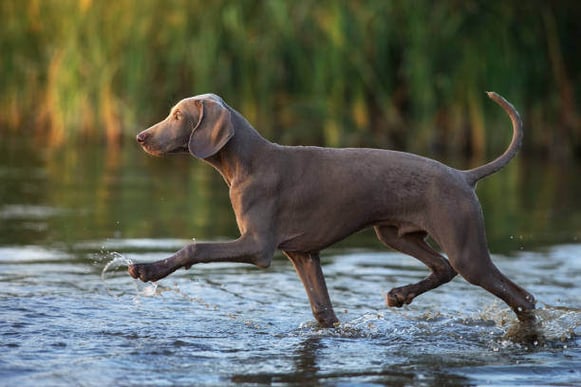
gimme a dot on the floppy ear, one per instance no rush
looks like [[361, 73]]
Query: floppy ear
[[213, 130]]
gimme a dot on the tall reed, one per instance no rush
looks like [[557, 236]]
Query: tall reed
[[404, 74]]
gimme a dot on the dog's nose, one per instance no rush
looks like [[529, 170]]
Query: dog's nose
[[141, 137]]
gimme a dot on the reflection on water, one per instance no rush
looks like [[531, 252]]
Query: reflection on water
[[71, 221], [84, 193]]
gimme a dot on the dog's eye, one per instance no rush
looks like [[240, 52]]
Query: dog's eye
[[177, 115]]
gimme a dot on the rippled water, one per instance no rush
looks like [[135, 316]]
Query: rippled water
[[73, 317]]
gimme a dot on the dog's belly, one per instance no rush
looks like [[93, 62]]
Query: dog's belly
[[310, 241], [315, 240]]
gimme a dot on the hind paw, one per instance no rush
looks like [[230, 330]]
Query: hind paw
[[399, 297]]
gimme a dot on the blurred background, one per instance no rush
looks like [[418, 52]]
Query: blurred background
[[80, 78], [79, 199]]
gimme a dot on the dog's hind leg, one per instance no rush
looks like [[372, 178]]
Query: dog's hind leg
[[415, 244], [464, 241], [478, 269]]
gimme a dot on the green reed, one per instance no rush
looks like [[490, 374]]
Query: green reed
[[403, 74]]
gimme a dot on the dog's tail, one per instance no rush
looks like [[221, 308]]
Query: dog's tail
[[473, 175]]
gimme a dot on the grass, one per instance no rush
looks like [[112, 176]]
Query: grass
[[401, 74]]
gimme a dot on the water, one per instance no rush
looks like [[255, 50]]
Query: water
[[66, 321], [71, 221]]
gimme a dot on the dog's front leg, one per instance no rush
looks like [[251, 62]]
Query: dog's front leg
[[308, 267], [242, 250]]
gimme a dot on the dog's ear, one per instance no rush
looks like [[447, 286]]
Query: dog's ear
[[213, 130]]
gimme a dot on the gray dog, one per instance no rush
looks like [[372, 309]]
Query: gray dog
[[303, 199]]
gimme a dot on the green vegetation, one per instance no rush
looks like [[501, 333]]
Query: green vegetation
[[406, 74]]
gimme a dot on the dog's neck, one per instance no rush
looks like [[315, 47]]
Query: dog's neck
[[241, 155]]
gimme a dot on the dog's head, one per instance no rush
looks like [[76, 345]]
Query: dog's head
[[200, 125]]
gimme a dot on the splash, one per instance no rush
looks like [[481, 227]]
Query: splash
[[560, 324], [117, 260], [368, 325], [148, 290], [553, 327]]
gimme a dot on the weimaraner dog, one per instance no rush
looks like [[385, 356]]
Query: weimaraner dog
[[302, 199]]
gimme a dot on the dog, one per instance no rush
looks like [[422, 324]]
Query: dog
[[302, 199]]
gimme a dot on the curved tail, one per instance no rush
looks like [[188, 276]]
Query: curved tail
[[473, 175]]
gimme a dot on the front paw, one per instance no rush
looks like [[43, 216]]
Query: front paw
[[147, 272]]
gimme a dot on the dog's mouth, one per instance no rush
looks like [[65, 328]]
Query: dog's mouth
[[160, 145], [160, 153], [153, 152], [179, 150]]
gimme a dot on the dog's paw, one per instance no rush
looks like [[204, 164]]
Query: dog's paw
[[398, 297], [136, 271], [146, 272]]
